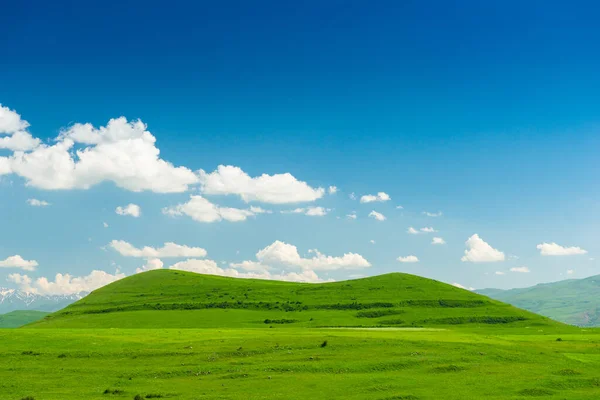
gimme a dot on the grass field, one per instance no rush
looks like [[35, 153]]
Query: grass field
[[15, 319], [446, 343]]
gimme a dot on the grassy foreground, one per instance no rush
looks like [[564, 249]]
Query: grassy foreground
[[172, 334], [276, 363]]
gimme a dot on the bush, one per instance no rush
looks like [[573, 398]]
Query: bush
[[113, 391], [138, 397], [324, 344], [28, 398], [377, 313], [280, 321]]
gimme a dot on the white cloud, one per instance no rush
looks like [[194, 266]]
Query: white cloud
[[131, 209], [82, 156], [520, 269], [399, 207], [274, 189], [570, 271], [17, 261], [372, 241], [499, 273], [412, 231], [352, 196], [438, 240], [169, 249], [428, 230], [377, 216], [553, 249], [151, 264], [283, 254], [37, 203], [200, 209], [333, 189], [104, 224], [257, 271], [259, 210], [13, 132], [379, 197], [352, 215], [65, 283], [458, 285], [480, 251], [408, 259], [430, 214], [310, 211]]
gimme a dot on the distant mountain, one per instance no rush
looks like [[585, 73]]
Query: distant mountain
[[14, 299], [15, 319], [573, 301]]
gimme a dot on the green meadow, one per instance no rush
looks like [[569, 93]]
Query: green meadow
[[172, 334]]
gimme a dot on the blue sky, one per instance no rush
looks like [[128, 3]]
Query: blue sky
[[485, 112]]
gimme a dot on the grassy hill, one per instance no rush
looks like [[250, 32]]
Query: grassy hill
[[177, 299], [573, 301], [15, 319]]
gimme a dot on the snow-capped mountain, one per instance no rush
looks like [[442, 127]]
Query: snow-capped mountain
[[14, 299]]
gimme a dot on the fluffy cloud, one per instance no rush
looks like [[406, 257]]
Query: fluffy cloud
[[372, 241], [352, 215], [379, 197], [412, 231], [520, 269], [274, 189], [553, 249], [408, 259], [200, 209], [430, 214], [104, 224], [438, 240], [131, 209], [37, 203], [458, 285], [82, 156], [65, 283], [333, 189], [480, 251], [13, 132], [377, 216], [499, 273], [570, 272], [310, 211], [168, 250], [427, 230], [17, 261], [151, 264]]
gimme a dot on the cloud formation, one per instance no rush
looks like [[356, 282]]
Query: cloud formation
[[202, 210], [553, 249], [438, 240], [377, 216], [37, 203], [480, 251], [274, 189], [523, 270], [379, 197], [430, 214], [65, 283], [458, 285], [17, 261], [408, 259], [169, 249], [132, 210], [310, 211], [13, 132]]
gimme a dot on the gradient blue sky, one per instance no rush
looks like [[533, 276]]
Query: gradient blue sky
[[486, 111]]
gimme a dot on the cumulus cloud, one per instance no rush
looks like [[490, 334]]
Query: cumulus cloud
[[104, 224], [430, 214], [65, 283], [169, 249], [132, 210], [412, 231], [408, 259], [458, 285], [399, 207], [201, 209], [372, 241], [333, 189], [352, 215], [379, 197], [553, 249], [37, 203], [570, 271], [274, 189], [499, 273], [310, 211], [82, 156], [438, 240], [17, 261], [352, 196], [427, 230], [520, 269], [151, 264], [377, 216], [13, 132], [480, 251]]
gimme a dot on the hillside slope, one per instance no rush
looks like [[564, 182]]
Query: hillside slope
[[177, 299], [15, 319], [573, 301]]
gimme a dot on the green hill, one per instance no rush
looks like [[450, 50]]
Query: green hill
[[15, 319], [177, 299], [573, 301]]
